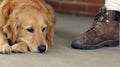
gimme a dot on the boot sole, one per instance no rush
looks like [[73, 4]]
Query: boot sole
[[109, 43]]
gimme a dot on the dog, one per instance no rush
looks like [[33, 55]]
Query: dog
[[26, 25]]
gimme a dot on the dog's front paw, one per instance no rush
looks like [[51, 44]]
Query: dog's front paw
[[19, 48], [5, 49]]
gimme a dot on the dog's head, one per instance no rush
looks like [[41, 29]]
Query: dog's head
[[32, 26]]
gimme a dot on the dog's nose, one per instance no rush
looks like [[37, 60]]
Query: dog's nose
[[42, 48]]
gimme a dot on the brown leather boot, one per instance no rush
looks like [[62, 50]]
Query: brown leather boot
[[104, 32]]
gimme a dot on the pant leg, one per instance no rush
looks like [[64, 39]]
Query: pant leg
[[112, 5]]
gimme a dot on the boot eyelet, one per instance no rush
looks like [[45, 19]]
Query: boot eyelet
[[107, 13], [107, 20]]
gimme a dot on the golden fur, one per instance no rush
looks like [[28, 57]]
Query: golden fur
[[27, 23]]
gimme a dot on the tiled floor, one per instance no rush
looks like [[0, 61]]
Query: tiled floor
[[61, 54]]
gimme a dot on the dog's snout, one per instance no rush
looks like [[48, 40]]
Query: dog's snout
[[42, 48]]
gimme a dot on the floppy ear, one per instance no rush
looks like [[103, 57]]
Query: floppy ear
[[11, 26], [49, 36], [11, 30], [51, 20], [6, 24]]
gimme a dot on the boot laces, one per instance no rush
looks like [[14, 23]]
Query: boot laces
[[101, 17]]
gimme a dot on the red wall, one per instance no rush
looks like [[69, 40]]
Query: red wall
[[77, 7]]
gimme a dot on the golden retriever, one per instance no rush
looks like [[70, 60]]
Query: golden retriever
[[26, 25]]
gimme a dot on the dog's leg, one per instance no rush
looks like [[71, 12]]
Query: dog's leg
[[4, 46], [20, 47]]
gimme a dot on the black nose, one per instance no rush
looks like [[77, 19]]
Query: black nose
[[42, 48]]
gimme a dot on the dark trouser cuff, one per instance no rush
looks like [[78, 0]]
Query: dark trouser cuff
[[116, 15]]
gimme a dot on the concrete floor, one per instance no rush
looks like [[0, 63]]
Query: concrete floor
[[61, 54]]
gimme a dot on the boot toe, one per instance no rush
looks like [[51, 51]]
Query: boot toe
[[76, 44]]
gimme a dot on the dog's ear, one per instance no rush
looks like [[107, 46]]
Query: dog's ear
[[8, 26], [51, 20], [11, 30], [8, 18], [49, 35], [50, 31]]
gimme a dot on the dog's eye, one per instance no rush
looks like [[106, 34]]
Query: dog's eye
[[30, 29], [43, 29]]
